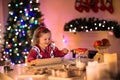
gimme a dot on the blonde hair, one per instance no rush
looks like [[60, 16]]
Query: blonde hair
[[37, 34]]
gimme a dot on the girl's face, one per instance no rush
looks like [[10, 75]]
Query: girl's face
[[45, 40]]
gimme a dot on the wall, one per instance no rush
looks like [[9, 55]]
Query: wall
[[83, 39], [1, 23], [58, 12], [1, 14]]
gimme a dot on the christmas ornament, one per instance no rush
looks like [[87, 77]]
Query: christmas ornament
[[81, 5], [109, 6], [94, 5], [101, 5]]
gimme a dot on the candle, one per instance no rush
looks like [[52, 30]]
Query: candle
[[102, 73], [111, 60], [96, 71], [94, 63], [91, 70]]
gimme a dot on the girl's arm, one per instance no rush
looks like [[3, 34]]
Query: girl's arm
[[59, 53], [32, 55]]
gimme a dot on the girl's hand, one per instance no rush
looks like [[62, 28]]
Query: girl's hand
[[65, 50]]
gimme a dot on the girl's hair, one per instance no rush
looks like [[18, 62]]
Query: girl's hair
[[37, 34]]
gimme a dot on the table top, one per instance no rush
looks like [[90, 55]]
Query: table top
[[19, 73]]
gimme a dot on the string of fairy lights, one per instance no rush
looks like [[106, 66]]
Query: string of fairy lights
[[90, 24]]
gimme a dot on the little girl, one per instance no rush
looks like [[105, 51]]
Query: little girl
[[42, 46]]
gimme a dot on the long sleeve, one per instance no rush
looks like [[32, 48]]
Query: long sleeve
[[32, 55], [58, 53]]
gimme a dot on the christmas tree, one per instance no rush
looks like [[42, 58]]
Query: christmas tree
[[24, 17]]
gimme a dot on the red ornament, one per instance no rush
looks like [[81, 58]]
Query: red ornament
[[10, 46], [109, 6], [101, 44], [105, 42], [81, 5], [102, 5], [98, 43]]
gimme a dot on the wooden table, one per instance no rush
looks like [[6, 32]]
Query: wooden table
[[5, 77], [16, 74]]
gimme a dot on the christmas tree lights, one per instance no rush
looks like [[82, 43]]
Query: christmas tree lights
[[24, 18]]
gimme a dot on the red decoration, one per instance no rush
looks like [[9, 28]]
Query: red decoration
[[80, 50], [97, 44], [105, 42], [82, 5], [95, 5], [101, 44], [102, 5], [109, 6]]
